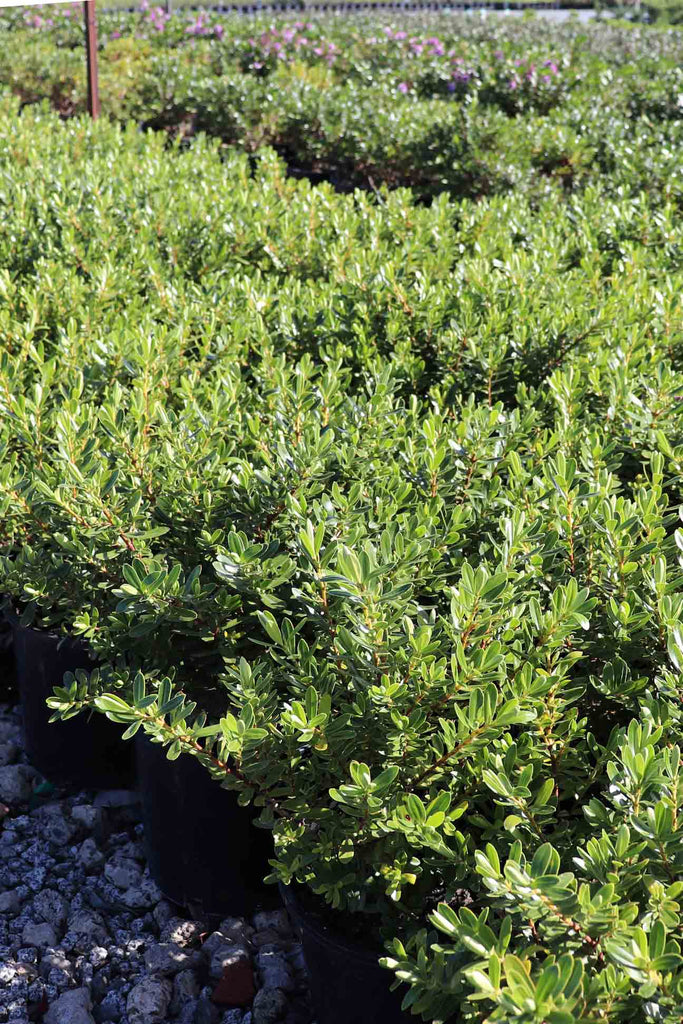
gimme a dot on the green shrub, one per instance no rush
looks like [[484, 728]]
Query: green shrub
[[439, 104], [370, 505]]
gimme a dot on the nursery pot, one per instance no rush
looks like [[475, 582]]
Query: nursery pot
[[348, 986], [202, 848], [8, 679], [86, 751]]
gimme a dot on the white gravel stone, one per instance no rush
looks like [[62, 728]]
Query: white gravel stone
[[10, 902], [225, 956], [180, 931], [148, 1001], [236, 929], [274, 970], [234, 1016], [188, 1013], [163, 913], [142, 897], [40, 935], [133, 850], [166, 959], [270, 1004], [54, 960], [8, 973], [71, 1007], [89, 855], [211, 944], [49, 906], [87, 928], [276, 920], [123, 873], [86, 815], [112, 1007], [186, 989], [16, 783], [53, 826]]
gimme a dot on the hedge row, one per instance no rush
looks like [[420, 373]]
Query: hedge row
[[373, 507], [450, 104]]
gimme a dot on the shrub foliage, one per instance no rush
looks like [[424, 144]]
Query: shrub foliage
[[373, 506]]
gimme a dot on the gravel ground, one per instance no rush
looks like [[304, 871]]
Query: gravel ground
[[86, 937]]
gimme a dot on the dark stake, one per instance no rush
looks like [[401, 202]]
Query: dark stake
[[91, 57]]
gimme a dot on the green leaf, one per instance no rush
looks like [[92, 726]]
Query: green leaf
[[267, 620]]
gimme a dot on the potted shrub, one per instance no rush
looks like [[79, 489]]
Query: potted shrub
[[63, 525], [378, 840], [75, 516], [155, 611], [66, 526]]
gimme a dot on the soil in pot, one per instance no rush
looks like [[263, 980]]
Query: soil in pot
[[85, 752], [203, 850], [348, 986]]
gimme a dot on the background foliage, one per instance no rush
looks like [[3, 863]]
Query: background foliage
[[448, 103]]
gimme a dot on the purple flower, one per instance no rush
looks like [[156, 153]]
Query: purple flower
[[499, 54], [552, 67], [403, 87]]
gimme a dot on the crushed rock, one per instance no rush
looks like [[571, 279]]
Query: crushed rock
[[86, 937]]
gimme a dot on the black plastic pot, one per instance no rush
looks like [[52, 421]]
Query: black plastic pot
[[348, 986], [8, 678], [203, 851], [86, 751]]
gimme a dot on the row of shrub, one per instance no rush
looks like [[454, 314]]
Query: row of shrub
[[455, 104], [373, 508]]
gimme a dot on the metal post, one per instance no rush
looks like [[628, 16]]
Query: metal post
[[169, 6], [91, 57]]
